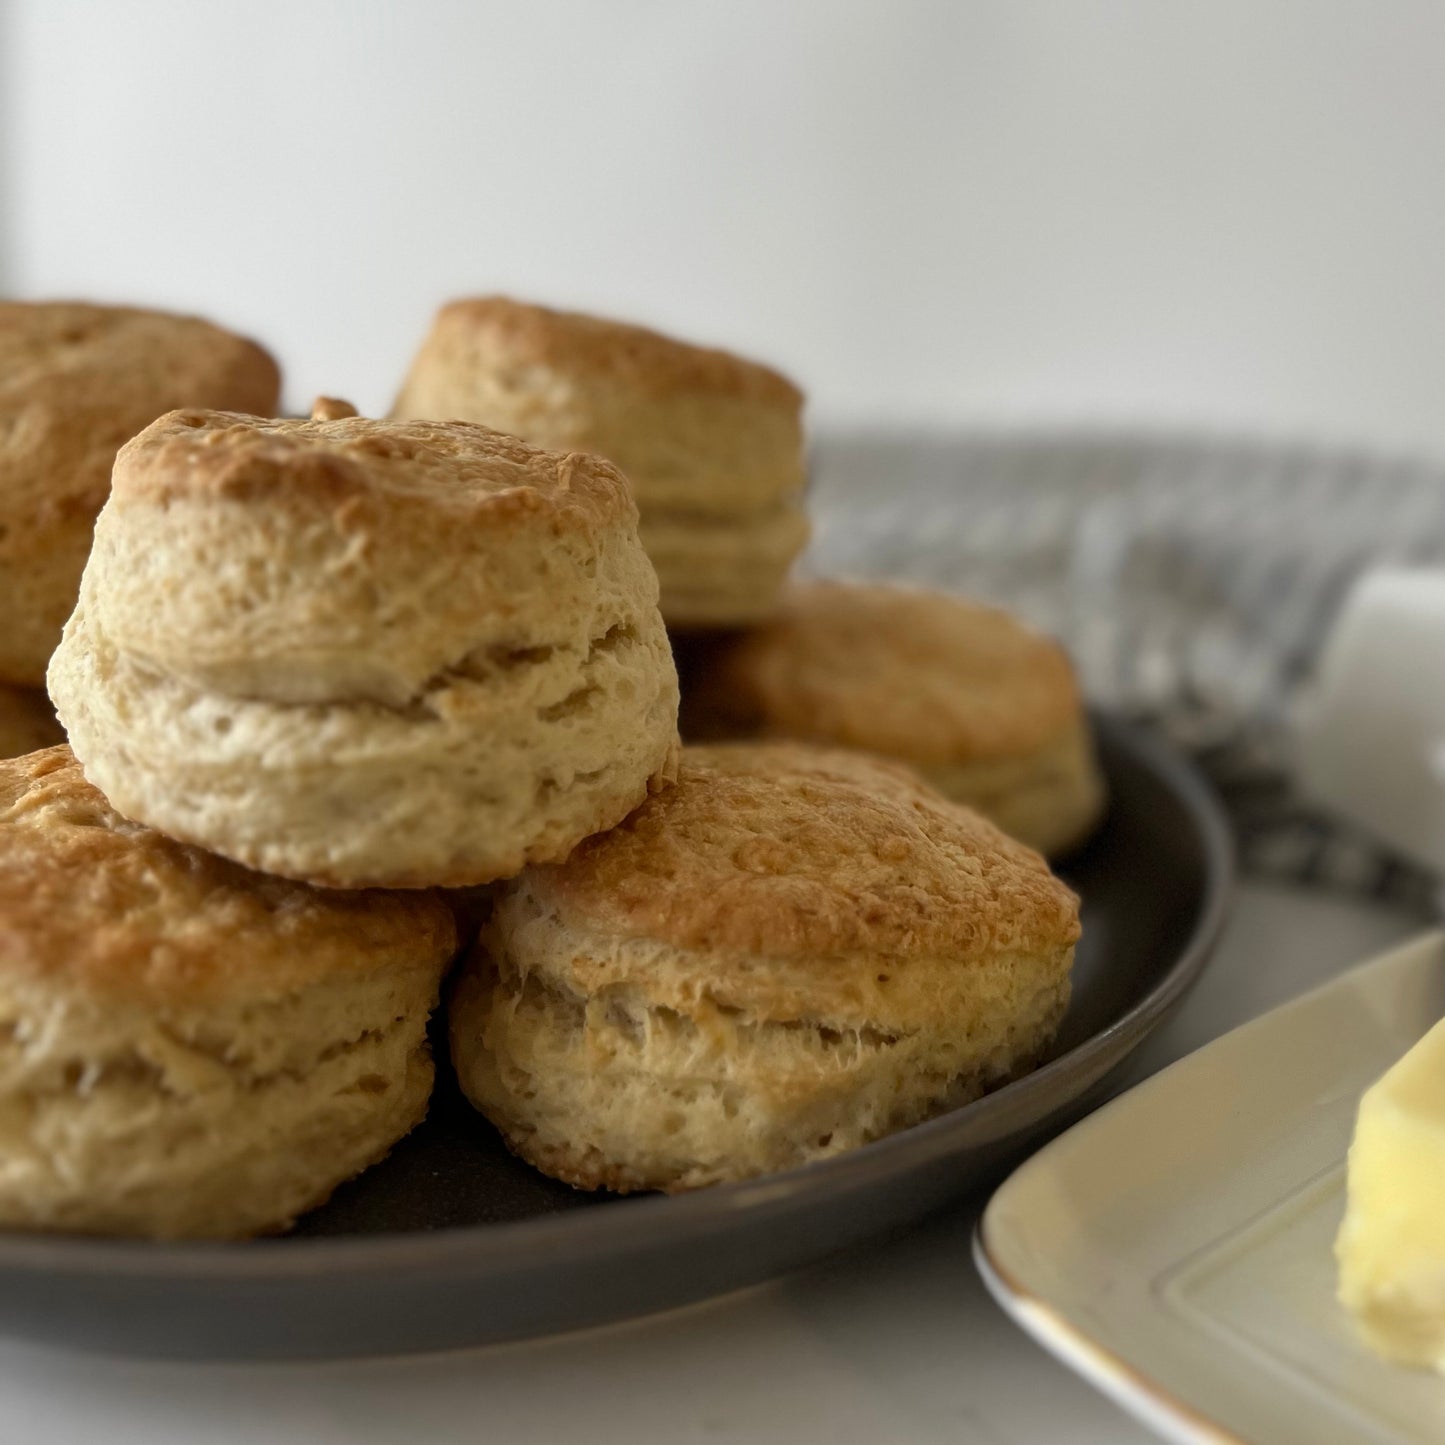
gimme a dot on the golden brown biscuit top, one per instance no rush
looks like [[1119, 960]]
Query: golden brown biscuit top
[[519, 333], [40, 339], [461, 468], [76, 381], [914, 674], [91, 900], [787, 851]]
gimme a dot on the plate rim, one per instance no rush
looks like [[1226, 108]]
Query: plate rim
[[1131, 1387], [1108, 1372], [612, 1231]]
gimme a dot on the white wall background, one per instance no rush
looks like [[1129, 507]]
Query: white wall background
[[1223, 214]]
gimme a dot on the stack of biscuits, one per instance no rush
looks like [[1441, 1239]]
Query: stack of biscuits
[[713, 445], [368, 714]]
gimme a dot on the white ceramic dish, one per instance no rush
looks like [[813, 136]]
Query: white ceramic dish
[[1175, 1248]]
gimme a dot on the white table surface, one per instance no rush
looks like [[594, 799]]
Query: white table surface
[[894, 1343]]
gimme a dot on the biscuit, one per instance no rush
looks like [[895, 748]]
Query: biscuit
[[27, 722], [187, 1048], [984, 707], [790, 953], [75, 382], [712, 444], [362, 653]]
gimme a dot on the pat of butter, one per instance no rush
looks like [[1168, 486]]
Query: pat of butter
[[1391, 1247]]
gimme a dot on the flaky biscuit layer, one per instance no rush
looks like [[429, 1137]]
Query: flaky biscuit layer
[[188, 1048], [789, 953]]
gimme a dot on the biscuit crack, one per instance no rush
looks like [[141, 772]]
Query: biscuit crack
[[634, 1018], [166, 1073], [487, 665]]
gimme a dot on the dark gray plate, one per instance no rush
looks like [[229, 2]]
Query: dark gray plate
[[451, 1241]]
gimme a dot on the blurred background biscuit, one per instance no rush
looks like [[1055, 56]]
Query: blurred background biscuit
[[365, 653], [789, 953], [188, 1048], [76, 381], [712, 444], [985, 708]]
